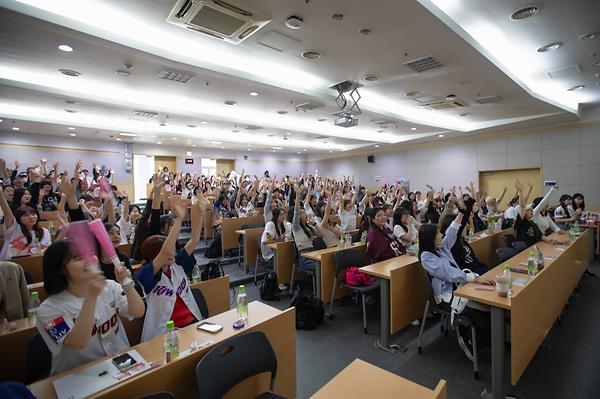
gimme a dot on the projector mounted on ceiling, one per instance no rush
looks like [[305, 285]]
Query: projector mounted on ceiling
[[347, 116], [220, 19]]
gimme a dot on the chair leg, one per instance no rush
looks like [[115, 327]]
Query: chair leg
[[364, 306], [475, 358], [331, 316], [256, 269], [314, 281], [292, 279], [423, 327]]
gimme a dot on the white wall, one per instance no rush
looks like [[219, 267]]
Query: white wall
[[571, 156]]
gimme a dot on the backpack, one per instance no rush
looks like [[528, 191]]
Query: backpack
[[269, 288], [211, 270], [215, 249], [356, 278], [309, 311]]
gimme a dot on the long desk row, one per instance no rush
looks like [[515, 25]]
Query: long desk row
[[14, 343], [178, 376], [533, 307], [404, 286]]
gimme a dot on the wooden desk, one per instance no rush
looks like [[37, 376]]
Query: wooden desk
[[533, 307], [325, 270], [178, 377], [363, 380], [33, 265], [229, 240], [250, 241], [125, 249], [215, 292], [209, 229], [49, 215], [405, 289], [283, 260]]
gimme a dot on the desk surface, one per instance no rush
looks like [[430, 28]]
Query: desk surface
[[316, 255], [491, 298], [384, 268], [152, 351], [363, 380]]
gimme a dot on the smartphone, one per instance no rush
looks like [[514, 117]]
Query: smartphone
[[210, 327], [124, 362]]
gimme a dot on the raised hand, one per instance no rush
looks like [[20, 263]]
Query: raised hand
[[518, 185]]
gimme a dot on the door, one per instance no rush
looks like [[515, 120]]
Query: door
[[492, 182], [169, 162], [225, 166]]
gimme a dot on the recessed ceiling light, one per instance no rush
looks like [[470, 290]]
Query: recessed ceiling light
[[413, 128], [413, 94], [440, 135], [288, 133], [1, 120], [193, 145], [124, 74], [592, 35], [274, 150], [229, 102], [119, 139], [371, 78], [549, 47], [71, 128], [249, 145], [16, 128], [65, 47], [222, 148], [192, 126], [173, 138], [204, 122], [523, 13], [253, 93], [365, 31], [72, 134], [311, 55], [282, 112], [330, 151], [337, 17], [216, 142], [578, 87], [127, 134], [158, 142], [376, 145], [69, 72], [299, 152], [304, 149], [249, 149], [322, 119]]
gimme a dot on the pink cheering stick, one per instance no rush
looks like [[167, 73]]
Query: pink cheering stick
[[83, 241], [98, 230]]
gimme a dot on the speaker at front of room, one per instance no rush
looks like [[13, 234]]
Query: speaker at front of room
[[371, 158]]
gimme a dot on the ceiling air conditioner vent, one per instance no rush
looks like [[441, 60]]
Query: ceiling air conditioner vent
[[144, 114], [252, 127], [488, 100], [441, 104], [223, 20], [423, 64], [174, 76], [309, 106]]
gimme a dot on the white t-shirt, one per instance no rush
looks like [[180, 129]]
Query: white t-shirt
[[56, 317], [269, 233], [329, 237], [348, 219], [511, 213], [245, 210], [126, 229], [15, 243]]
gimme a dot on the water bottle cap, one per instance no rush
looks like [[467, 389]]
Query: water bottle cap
[[532, 254], [507, 267], [170, 325], [242, 288], [35, 294]]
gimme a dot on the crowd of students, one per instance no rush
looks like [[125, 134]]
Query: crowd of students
[[313, 211]]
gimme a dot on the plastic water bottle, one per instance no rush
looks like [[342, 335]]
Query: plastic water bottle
[[242, 305], [471, 232], [540, 258], [576, 227], [531, 266], [348, 239], [363, 237], [341, 243], [572, 235], [171, 342], [35, 247], [196, 274], [34, 304], [51, 229]]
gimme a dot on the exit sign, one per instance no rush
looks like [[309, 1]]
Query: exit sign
[[189, 161]]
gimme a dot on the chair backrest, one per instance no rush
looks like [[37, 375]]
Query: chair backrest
[[508, 239], [232, 362], [505, 253], [39, 359], [350, 257], [519, 246], [201, 302]]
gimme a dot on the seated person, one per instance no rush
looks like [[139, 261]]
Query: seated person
[[274, 231], [382, 244], [78, 321]]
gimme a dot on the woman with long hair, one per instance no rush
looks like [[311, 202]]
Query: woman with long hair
[[382, 244], [274, 231]]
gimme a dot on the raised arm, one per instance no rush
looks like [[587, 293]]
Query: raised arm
[[197, 219], [522, 198], [502, 196], [8, 215], [168, 247]]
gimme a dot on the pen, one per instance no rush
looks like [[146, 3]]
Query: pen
[[103, 373]]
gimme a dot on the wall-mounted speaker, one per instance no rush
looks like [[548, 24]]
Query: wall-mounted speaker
[[371, 158]]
